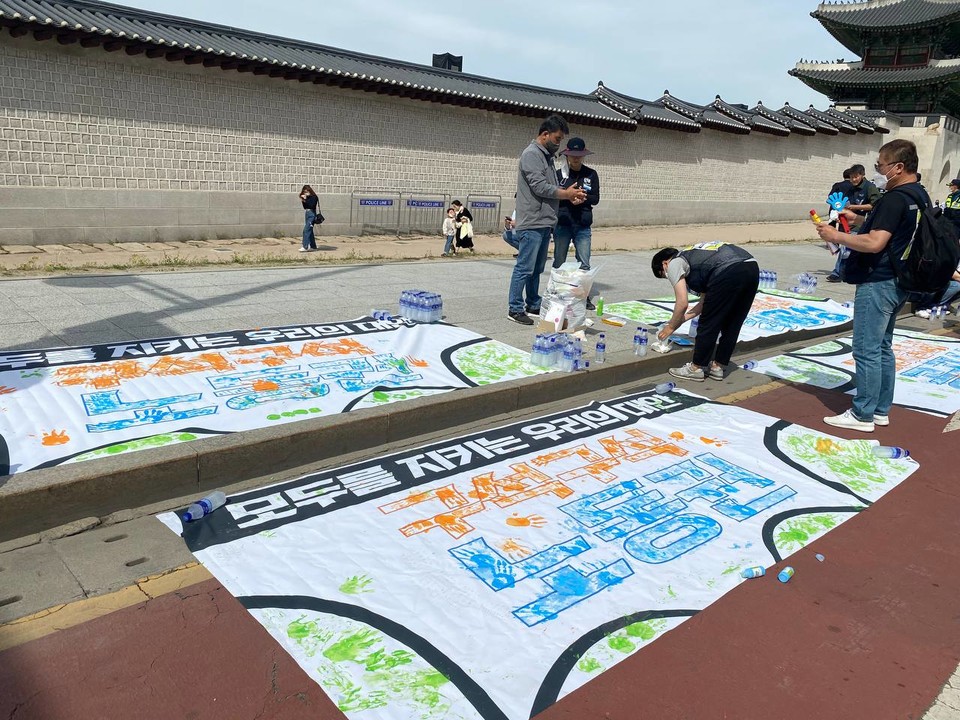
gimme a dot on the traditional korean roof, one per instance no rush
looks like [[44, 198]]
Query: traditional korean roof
[[821, 126], [838, 79], [646, 112], [796, 126], [707, 115], [756, 121], [851, 23], [114, 27]]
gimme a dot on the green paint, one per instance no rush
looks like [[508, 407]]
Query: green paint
[[349, 647], [796, 532], [492, 361], [154, 441], [300, 630], [356, 585], [384, 396], [267, 534], [670, 593], [799, 370], [825, 348], [294, 413], [638, 312], [643, 630], [850, 461], [589, 665], [731, 570], [621, 644]]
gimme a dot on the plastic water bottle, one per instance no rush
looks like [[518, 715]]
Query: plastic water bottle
[[847, 304], [644, 342], [600, 355], [785, 574], [749, 365], [205, 506], [636, 340], [599, 305], [694, 326], [553, 352], [753, 572], [813, 284], [892, 453], [819, 557], [664, 388], [578, 355], [569, 357], [773, 280]]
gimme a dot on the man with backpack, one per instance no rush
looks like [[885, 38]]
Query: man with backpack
[[890, 257]]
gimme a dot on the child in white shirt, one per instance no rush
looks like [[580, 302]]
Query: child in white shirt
[[450, 232]]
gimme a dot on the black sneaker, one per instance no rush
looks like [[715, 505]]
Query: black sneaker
[[533, 311], [833, 277], [590, 305], [520, 317]]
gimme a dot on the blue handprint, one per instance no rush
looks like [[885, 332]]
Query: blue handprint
[[838, 201]]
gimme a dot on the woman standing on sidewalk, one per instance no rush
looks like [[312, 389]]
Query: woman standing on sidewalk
[[310, 202]]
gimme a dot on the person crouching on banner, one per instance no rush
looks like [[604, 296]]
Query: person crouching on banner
[[726, 278]]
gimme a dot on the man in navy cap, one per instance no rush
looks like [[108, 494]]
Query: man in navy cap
[[574, 221]]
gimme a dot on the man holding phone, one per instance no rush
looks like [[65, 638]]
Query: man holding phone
[[574, 220]]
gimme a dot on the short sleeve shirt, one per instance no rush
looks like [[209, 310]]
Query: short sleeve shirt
[[676, 269]]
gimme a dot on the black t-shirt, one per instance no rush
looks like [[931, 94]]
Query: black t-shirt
[[897, 213], [310, 203]]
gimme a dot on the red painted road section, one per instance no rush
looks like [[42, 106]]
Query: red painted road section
[[871, 633]]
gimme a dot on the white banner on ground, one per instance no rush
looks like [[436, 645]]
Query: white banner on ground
[[488, 575], [928, 369], [75, 404], [774, 312]]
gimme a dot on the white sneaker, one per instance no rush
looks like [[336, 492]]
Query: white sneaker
[[688, 372], [715, 372], [925, 314], [849, 420], [881, 420], [303, 249]]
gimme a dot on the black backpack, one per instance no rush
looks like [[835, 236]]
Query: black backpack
[[932, 256]]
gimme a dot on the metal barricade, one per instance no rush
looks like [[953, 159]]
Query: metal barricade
[[486, 213], [375, 211], [423, 213]]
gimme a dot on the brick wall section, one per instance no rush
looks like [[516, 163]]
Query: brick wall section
[[98, 146]]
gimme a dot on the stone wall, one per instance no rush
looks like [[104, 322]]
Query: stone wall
[[100, 146]]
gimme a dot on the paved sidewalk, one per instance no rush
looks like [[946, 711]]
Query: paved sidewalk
[[21, 260]]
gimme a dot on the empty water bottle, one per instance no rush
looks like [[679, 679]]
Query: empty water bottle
[[893, 453], [694, 325], [664, 388], [749, 365], [785, 574], [204, 506], [753, 572], [600, 355], [847, 304]]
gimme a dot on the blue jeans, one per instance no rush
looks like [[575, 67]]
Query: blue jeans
[[510, 238], [949, 295], [562, 235], [533, 247], [448, 245], [875, 309], [309, 240]]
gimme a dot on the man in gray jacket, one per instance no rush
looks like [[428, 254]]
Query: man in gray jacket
[[538, 197]]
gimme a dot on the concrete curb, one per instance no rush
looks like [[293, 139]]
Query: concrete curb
[[40, 499]]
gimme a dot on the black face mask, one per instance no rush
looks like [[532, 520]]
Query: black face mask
[[551, 147]]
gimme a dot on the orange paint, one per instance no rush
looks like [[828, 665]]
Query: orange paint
[[826, 446], [677, 435], [515, 548], [275, 355], [4, 390], [529, 521], [417, 362], [55, 437], [265, 385]]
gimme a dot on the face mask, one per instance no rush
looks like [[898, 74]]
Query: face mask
[[551, 147]]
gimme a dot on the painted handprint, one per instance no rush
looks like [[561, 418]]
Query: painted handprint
[[530, 521]]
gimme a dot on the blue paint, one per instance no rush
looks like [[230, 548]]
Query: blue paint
[[499, 573], [942, 370], [150, 417], [692, 532], [569, 587]]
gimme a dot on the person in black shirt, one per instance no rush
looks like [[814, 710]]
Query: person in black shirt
[[845, 188], [887, 231], [726, 278], [311, 203], [574, 221]]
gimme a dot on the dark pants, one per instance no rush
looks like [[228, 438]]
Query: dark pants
[[726, 305]]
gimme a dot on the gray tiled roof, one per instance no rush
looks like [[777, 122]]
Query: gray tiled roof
[[246, 50], [861, 124], [798, 126], [887, 13], [842, 125], [822, 126], [646, 112], [756, 121], [708, 116], [853, 74]]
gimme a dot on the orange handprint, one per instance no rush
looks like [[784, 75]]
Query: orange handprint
[[516, 520]]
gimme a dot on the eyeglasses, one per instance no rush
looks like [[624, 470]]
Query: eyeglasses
[[877, 166]]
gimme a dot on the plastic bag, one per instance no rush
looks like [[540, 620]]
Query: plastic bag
[[565, 302]]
